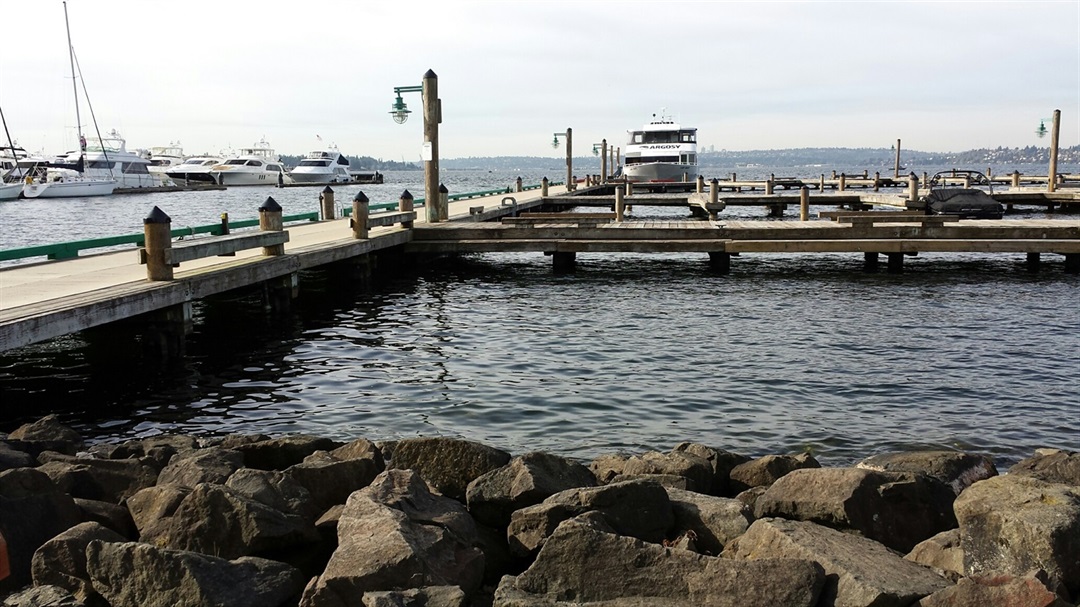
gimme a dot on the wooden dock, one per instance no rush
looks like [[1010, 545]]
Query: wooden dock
[[44, 300]]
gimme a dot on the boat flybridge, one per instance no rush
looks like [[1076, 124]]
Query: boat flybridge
[[661, 151]]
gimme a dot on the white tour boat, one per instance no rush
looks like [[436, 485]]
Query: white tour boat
[[661, 151], [322, 166], [194, 171], [257, 165]]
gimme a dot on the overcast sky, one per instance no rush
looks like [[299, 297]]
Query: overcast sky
[[216, 74]]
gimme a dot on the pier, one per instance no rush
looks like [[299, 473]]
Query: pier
[[158, 281]]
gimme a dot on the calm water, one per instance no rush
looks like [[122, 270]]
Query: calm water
[[630, 352]]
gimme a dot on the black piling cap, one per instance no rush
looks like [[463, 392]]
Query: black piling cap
[[270, 206], [545, 178], [443, 190], [360, 197], [328, 190], [157, 216], [430, 74], [406, 195]]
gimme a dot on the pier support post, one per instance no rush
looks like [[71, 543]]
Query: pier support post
[[877, 181], [1055, 132], [777, 210], [157, 230], [326, 201], [896, 163], [279, 292], [629, 188], [517, 185], [769, 185], [804, 203], [843, 182], [270, 220], [444, 203], [164, 334], [571, 184], [360, 216], [1072, 263], [1034, 260], [1016, 179], [870, 261], [700, 185], [896, 262], [620, 205], [432, 118], [720, 262], [405, 205], [544, 187], [821, 184], [603, 161], [563, 262], [912, 187]]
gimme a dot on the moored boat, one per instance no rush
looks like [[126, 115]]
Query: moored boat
[[661, 151], [322, 166], [66, 183], [194, 171], [257, 165]]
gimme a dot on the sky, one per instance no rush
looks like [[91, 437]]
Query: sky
[[216, 75]]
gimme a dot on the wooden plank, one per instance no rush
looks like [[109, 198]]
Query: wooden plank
[[909, 245], [219, 245], [389, 219]]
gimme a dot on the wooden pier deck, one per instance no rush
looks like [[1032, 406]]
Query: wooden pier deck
[[44, 300]]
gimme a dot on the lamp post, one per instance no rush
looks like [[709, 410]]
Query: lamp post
[[601, 150], [429, 89], [569, 156], [1055, 133]]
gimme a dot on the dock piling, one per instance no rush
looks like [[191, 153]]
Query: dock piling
[[270, 220], [544, 187], [913, 187], [157, 228], [804, 203], [444, 203], [360, 211], [326, 202], [620, 205], [405, 205]]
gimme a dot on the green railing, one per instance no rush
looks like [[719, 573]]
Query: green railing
[[67, 250]]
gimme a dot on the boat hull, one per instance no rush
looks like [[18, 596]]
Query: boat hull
[[69, 189], [186, 178], [660, 171], [228, 178], [10, 191], [318, 178]]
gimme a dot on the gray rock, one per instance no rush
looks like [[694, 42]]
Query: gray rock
[[155, 451], [942, 553], [211, 465], [430, 596], [105, 480], [154, 504], [1052, 466], [11, 458], [280, 453], [697, 470], [141, 575], [639, 509], [525, 481], [61, 561], [42, 596], [722, 463], [1000, 590], [860, 572], [1013, 524], [394, 535], [32, 511], [114, 516], [715, 521], [330, 479], [46, 434], [956, 469], [670, 481], [447, 464], [896, 509], [583, 563], [276, 490], [606, 467], [765, 471], [360, 448]]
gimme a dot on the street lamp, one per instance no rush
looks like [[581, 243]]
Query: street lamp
[[1055, 132], [600, 149], [429, 90], [570, 185]]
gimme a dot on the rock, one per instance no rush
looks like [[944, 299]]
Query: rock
[[582, 563], [141, 575], [276, 490], [721, 461], [447, 464], [697, 470], [955, 469], [32, 511], [104, 480], [155, 451], [61, 561], [859, 572], [42, 596], [11, 458], [715, 521], [639, 509], [764, 471], [360, 448], [114, 516], [606, 467], [395, 535], [212, 465], [280, 453], [525, 481], [896, 509], [154, 504], [999, 590], [670, 481], [1052, 466], [219, 521], [46, 434], [330, 480], [942, 553], [430, 596], [1013, 524]]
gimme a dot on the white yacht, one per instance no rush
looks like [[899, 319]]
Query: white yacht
[[257, 165], [661, 151], [67, 183], [194, 171], [322, 166], [108, 158], [162, 158]]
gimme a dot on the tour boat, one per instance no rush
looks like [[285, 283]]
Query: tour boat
[[257, 165], [661, 151], [194, 171], [322, 166]]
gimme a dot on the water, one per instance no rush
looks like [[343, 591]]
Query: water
[[629, 353]]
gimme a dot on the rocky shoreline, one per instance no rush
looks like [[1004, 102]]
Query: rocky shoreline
[[252, 520]]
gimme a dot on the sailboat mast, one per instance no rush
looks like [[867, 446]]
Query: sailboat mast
[[74, 86]]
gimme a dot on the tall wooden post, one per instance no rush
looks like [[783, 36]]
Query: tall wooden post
[[804, 203], [405, 205], [896, 164], [570, 185], [326, 199], [603, 160], [360, 216], [432, 118], [1055, 132], [270, 220], [157, 229]]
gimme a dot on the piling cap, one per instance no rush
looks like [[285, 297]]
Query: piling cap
[[406, 195], [328, 190], [443, 190], [360, 197], [157, 216], [270, 206], [430, 74]]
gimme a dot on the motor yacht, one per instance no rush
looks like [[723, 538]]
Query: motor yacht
[[322, 166], [108, 158], [194, 171], [257, 165], [164, 157], [661, 151]]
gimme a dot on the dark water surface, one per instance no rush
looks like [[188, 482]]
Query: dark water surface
[[628, 353]]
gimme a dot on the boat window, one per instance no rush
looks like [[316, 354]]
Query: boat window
[[99, 164], [274, 167], [343, 160], [688, 136], [637, 137], [237, 161], [314, 163], [253, 163], [661, 137], [207, 163], [135, 168]]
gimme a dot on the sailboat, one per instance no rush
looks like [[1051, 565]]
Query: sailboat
[[9, 191], [67, 181]]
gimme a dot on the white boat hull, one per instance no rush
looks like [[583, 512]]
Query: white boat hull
[[10, 191], [69, 189], [661, 171], [318, 178], [228, 178]]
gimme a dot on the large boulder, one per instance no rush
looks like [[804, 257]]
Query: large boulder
[[697, 470], [1014, 524], [42, 596], [429, 596], [153, 505], [33, 510], [639, 509], [276, 490], [1052, 466], [61, 561], [585, 563], [114, 516], [46, 434], [525, 481], [996, 590], [765, 471], [714, 521], [942, 553], [11, 458], [154, 451], [211, 465], [141, 575], [280, 453], [395, 534], [106, 480], [447, 464], [722, 463], [860, 572], [956, 469], [896, 509], [331, 476]]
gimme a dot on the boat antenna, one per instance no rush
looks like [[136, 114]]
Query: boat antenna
[[93, 118]]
